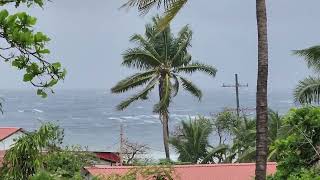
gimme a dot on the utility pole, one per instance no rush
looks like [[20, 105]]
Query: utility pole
[[237, 85], [121, 144]]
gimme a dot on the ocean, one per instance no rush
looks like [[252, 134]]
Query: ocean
[[90, 119]]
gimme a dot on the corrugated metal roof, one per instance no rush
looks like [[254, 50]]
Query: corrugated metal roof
[[7, 131], [108, 156], [236, 171]]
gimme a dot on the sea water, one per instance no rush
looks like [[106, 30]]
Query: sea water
[[90, 119]]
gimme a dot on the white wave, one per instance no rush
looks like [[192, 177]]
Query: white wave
[[149, 121], [286, 101], [179, 115], [144, 116], [181, 110], [155, 116], [37, 110], [116, 118], [139, 107], [131, 117], [20, 111]]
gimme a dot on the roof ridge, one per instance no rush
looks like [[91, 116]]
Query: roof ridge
[[180, 166]]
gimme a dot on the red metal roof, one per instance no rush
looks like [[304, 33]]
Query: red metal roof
[[236, 171], [108, 156], [7, 131]]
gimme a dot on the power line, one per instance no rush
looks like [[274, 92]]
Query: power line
[[236, 86], [121, 144]]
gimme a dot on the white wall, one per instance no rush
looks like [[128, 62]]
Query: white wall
[[9, 141]]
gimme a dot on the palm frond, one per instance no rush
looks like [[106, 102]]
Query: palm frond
[[209, 157], [312, 57], [139, 58], [308, 91], [170, 13], [141, 41], [190, 87], [193, 67], [175, 85], [163, 105], [140, 95], [192, 141], [183, 42], [248, 155], [133, 81], [145, 5]]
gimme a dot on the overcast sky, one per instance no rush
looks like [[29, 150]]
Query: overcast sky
[[88, 37]]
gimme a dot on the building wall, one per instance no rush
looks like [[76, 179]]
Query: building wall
[[9, 141]]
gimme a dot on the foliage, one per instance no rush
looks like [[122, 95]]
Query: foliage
[[237, 138], [38, 155], [26, 49], [299, 149], [162, 59], [43, 175], [303, 174], [25, 157], [171, 7], [145, 172], [27, 2], [223, 124], [191, 142], [308, 90], [67, 163]]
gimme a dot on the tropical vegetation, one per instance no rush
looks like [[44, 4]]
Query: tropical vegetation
[[172, 7], [39, 154], [236, 141], [27, 49], [162, 60], [308, 89], [298, 151]]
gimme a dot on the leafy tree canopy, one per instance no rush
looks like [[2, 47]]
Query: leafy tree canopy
[[26, 49]]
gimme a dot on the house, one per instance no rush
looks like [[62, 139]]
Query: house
[[235, 171], [8, 135], [107, 158]]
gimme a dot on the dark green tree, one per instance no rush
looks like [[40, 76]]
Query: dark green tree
[[162, 59], [26, 156], [298, 149]]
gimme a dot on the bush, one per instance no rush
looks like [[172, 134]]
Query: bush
[[297, 151]]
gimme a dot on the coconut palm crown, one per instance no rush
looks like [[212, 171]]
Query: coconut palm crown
[[162, 60], [308, 90]]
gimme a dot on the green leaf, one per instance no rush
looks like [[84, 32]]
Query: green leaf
[[44, 51], [53, 82], [3, 14], [27, 77], [56, 65]]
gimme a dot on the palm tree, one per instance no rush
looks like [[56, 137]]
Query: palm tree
[[191, 142], [262, 89], [162, 58], [172, 7], [308, 90]]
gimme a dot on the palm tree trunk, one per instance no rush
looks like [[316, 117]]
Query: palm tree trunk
[[165, 129], [164, 116], [261, 96]]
